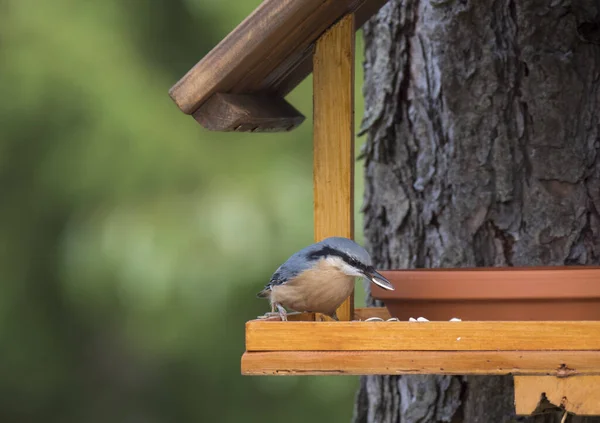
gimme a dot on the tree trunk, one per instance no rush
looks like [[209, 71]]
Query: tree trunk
[[483, 126]]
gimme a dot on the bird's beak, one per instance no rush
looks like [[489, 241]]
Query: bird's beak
[[379, 280]]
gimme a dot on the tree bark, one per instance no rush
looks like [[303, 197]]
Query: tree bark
[[482, 150]]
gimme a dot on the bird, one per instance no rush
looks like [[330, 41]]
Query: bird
[[318, 278]]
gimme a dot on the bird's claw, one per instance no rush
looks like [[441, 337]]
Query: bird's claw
[[267, 315], [281, 313]]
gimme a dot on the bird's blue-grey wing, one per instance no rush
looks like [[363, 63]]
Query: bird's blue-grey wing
[[293, 266]]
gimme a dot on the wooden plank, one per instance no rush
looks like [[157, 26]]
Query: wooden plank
[[426, 336], [243, 49], [298, 67], [248, 113], [578, 395], [556, 363], [333, 156], [509, 283], [271, 44]]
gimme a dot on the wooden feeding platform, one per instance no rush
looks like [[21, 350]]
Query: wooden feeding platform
[[556, 348], [489, 339], [541, 325]]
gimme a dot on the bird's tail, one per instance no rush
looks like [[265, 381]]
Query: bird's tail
[[265, 293]]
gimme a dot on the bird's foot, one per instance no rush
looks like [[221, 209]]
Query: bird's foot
[[282, 312], [320, 317], [267, 315]]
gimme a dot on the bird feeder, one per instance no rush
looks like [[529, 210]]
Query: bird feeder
[[544, 328]]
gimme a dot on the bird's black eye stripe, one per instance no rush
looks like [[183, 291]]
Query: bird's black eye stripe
[[328, 251]]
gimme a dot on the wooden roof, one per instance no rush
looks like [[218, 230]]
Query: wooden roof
[[269, 53]]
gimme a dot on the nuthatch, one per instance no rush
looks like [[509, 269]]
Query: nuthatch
[[320, 277]]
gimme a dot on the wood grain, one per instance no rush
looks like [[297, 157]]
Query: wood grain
[[427, 336], [333, 153], [298, 69], [248, 113], [269, 52], [556, 363], [510, 283], [298, 66], [577, 395]]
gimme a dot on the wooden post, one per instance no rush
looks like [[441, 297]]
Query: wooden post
[[333, 91]]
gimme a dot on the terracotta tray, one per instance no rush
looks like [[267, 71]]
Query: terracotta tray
[[540, 293]]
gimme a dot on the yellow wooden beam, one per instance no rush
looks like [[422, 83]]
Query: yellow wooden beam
[[557, 363], [333, 91], [426, 336]]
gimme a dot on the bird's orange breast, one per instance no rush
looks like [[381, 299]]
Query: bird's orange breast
[[321, 289]]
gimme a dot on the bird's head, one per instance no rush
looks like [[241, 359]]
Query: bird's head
[[350, 258]]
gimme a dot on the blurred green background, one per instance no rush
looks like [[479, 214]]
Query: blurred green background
[[133, 241]]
